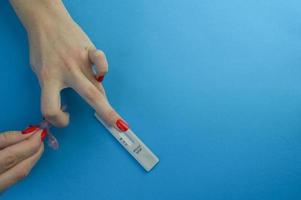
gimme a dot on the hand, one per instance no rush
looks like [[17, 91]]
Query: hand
[[62, 55], [18, 154]]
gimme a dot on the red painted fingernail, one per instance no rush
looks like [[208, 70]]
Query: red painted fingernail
[[43, 134], [122, 125], [100, 78], [30, 129]]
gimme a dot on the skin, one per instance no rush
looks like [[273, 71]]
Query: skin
[[18, 154], [61, 56]]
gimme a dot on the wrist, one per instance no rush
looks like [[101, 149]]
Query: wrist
[[40, 14]]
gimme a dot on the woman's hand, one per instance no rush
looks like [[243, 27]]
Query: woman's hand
[[62, 56], [19, 152]]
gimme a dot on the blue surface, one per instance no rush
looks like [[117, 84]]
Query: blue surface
[[213, 87]]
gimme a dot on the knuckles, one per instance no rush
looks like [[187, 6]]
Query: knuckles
[[91, 94], [11, 157], [81, 54], [70, 64], [111, 116], [56, 117], [100, 55], [69, 61], [9, 160], [51, 114], [4, 137]]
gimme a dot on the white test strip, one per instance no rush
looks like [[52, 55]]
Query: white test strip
[[146, 158]]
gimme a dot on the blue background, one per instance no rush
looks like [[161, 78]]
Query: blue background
[[212, 87]]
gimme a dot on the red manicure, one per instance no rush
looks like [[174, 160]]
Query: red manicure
[[30, 129], [122, 125], [43, 134], [100, 78]]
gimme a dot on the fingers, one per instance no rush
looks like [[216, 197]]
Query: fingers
[[12, 137], [90, 75], [96, 99], [14, 154], [21, 170], [98, 58], [51, 105]]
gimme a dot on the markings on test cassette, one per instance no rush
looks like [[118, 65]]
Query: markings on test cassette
[[129, 140], [137, 149]]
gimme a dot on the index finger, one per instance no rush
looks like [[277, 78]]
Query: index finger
[[12, 137], [96, 99]]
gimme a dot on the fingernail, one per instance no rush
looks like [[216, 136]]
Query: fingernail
[[122, 125], [30, 129], [43, 134], [100, 78]]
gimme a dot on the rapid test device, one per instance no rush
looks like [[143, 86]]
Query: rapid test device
[[128, 139]]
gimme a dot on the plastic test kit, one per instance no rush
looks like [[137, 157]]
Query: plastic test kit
[[146, 158]]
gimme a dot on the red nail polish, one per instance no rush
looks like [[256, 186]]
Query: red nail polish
[[30, 129], [43, 134], [122, 125], [100, 78]]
